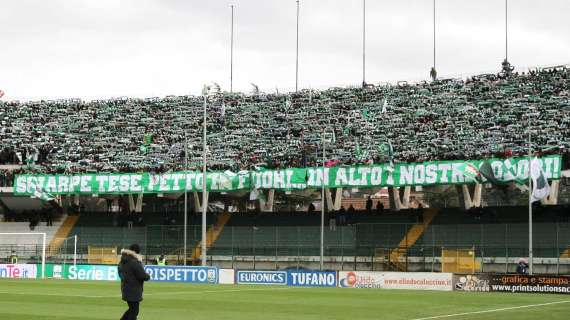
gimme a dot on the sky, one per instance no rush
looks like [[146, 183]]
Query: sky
[[93, 49]]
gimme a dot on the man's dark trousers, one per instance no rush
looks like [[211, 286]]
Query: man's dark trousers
[[133, 311]]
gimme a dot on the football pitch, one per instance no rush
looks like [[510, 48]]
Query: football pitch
[[64, 299]]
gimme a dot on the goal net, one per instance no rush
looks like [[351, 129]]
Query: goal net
[[24, 248]]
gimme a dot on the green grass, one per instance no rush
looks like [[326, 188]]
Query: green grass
[[63, 299]]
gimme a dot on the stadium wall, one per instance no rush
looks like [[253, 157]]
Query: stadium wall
[[489, 282], [552, 266]]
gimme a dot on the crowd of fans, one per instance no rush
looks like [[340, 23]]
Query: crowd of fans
[[478, 117], [34, 217]]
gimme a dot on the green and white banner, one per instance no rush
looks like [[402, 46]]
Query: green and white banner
[[381, 175]]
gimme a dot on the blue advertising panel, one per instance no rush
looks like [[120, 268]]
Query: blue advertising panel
[[307, 278], [183, 274], [262, 277]]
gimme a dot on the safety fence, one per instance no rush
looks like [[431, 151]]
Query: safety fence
[[364, 247]]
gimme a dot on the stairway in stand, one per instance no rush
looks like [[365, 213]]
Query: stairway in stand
[[61, 234], [398, 255], [211, 235]]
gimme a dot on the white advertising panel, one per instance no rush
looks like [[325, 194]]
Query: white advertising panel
[[396, 280]]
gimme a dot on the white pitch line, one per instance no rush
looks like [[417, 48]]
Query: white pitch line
[[215, 291], [146, 294], [57, 294], [490, 311]]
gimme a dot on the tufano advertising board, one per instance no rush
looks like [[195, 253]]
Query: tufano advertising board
[[396, 280], [261, 277], [19, 271], [530, 284], [309, 278]]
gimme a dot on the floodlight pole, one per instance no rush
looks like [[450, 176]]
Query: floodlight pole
[[44, 256], [232, 53], [363, 43], [323, 206], [204, 207], [185, 198], [297, 53], [433, 71], [506, 30], [75, 250], [530, 249]]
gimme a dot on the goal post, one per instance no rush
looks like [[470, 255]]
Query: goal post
[[60, 249], [21, 240]]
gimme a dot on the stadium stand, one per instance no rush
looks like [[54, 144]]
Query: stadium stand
[[478, 117], [26, 245]]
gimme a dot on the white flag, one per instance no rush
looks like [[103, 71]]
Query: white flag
[[41, 194], [540, 189], [384, 106]]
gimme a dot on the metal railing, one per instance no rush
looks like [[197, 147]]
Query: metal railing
[[357, 247]]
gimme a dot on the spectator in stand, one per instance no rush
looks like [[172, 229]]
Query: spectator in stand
[[369, 205], [342, 216], [311, 209], [440, 120], [522, 267], [379, 207], [420, 213], [332, 221]]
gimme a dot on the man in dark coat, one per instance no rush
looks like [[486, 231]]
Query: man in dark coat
[[133, 276]]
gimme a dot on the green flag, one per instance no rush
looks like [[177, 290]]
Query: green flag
[[365, 114], [388, 150], [357, 150], [148, 137]]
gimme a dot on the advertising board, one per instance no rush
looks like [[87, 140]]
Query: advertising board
[[183, 274], [417, 281], [111, 273], [515, 283], [261, 277], [359, 279], [396, 280], [20, 271], [82, 272], [472, 282], [226, 276], [309, 278]]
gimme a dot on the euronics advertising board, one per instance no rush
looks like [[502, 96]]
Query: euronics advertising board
[[21, 271], [157, 273], [261, 277], [378, 175], [396, 280], [512, 283]]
